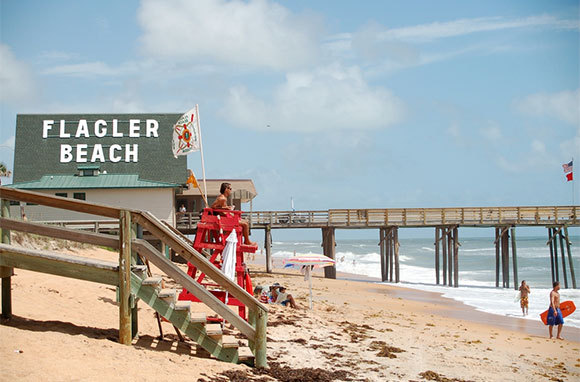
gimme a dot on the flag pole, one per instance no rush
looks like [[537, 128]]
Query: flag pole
[[201, 149], [573, 181]]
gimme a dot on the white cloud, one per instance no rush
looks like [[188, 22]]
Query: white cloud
[[439, 30], [87, 69], [571, 147], [330, 98], [16, 80], [491, 131], [536, 157], [564, 105], [255, 33]]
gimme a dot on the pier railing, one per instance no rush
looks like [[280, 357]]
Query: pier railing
[[406, 217], [418, 217]]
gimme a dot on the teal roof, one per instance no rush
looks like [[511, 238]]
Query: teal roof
[[63, 182]]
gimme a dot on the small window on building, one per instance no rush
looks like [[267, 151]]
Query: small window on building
[[14, 203], [80, 196], [61, 194]]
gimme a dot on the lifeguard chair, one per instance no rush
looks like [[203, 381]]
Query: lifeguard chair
[[212, 231]]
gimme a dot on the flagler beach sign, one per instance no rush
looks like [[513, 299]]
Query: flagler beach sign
[[81, 153], [137, 143]]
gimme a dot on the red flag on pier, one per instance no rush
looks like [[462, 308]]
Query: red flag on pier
[[570, 176]]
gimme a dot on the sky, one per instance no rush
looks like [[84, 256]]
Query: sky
[[329, 104]]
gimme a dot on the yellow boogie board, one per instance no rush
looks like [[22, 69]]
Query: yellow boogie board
[[567, 308]]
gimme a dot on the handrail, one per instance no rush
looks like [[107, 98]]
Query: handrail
[[154, 226]]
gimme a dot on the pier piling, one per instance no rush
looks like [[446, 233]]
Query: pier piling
[[268, 247], [572, 274], [563, 258], [514, 258], [329, 249], [437, 232]]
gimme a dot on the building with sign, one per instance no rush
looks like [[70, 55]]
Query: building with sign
[[123, 160]]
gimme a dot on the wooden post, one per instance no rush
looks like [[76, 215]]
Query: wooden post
[[396, 243], [496, 257], [6, 272], [551, 254], [444, 246], [382, 250], [572, 275], [514, 258], [125, 278], [136, 232], [455, 257], [260, 339], [563, 259], [556, 270], [268, 246], [450, 254], [505, 253], [391, 250], [329, 249], [437, 229]]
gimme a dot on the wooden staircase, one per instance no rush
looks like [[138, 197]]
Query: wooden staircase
[[132, 280], [209, 337]]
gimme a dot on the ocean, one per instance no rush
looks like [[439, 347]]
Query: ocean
[[476, 270]]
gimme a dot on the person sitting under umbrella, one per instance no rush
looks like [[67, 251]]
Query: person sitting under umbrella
[[279, 296]]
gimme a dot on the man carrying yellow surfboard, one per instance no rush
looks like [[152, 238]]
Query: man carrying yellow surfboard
[[554, 312]]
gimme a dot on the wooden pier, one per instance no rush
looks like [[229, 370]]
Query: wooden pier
[[445, 221]]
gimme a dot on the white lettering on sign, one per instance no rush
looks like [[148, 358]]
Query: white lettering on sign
[[82, 129], [65, 153], [152, 127], [46, 125], [82, 152], [63, 134], [93, 153], [98, 154], [116, 134], [98, 131], [134, 128], [112, 157]]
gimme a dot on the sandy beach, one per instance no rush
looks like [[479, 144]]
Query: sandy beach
[[65, 329]]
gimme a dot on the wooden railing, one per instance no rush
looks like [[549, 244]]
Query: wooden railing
[[418, 217], [255, 330]]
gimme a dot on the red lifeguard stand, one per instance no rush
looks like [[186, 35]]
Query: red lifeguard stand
[[212, 231]]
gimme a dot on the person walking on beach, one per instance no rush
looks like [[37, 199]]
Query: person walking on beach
[[554, 312], [221, 203], [524, 292]]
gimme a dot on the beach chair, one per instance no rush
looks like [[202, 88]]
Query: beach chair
[[210, 239]]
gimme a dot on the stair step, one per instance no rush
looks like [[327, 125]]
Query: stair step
[[245, 355], [198, 317], [153, 281], [182, 305], [139, 268], [230, 342], [167, 295], [213, 329]]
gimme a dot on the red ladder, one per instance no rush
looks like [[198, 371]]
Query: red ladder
[[212, 231]]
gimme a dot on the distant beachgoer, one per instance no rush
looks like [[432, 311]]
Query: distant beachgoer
[[554, 312], [261, 294], [221, 203], [278, 295], [524, 292]]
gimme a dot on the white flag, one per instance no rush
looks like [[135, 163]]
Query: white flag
[[186, 137]]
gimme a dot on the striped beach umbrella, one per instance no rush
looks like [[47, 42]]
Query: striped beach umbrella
[[310, 261]]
